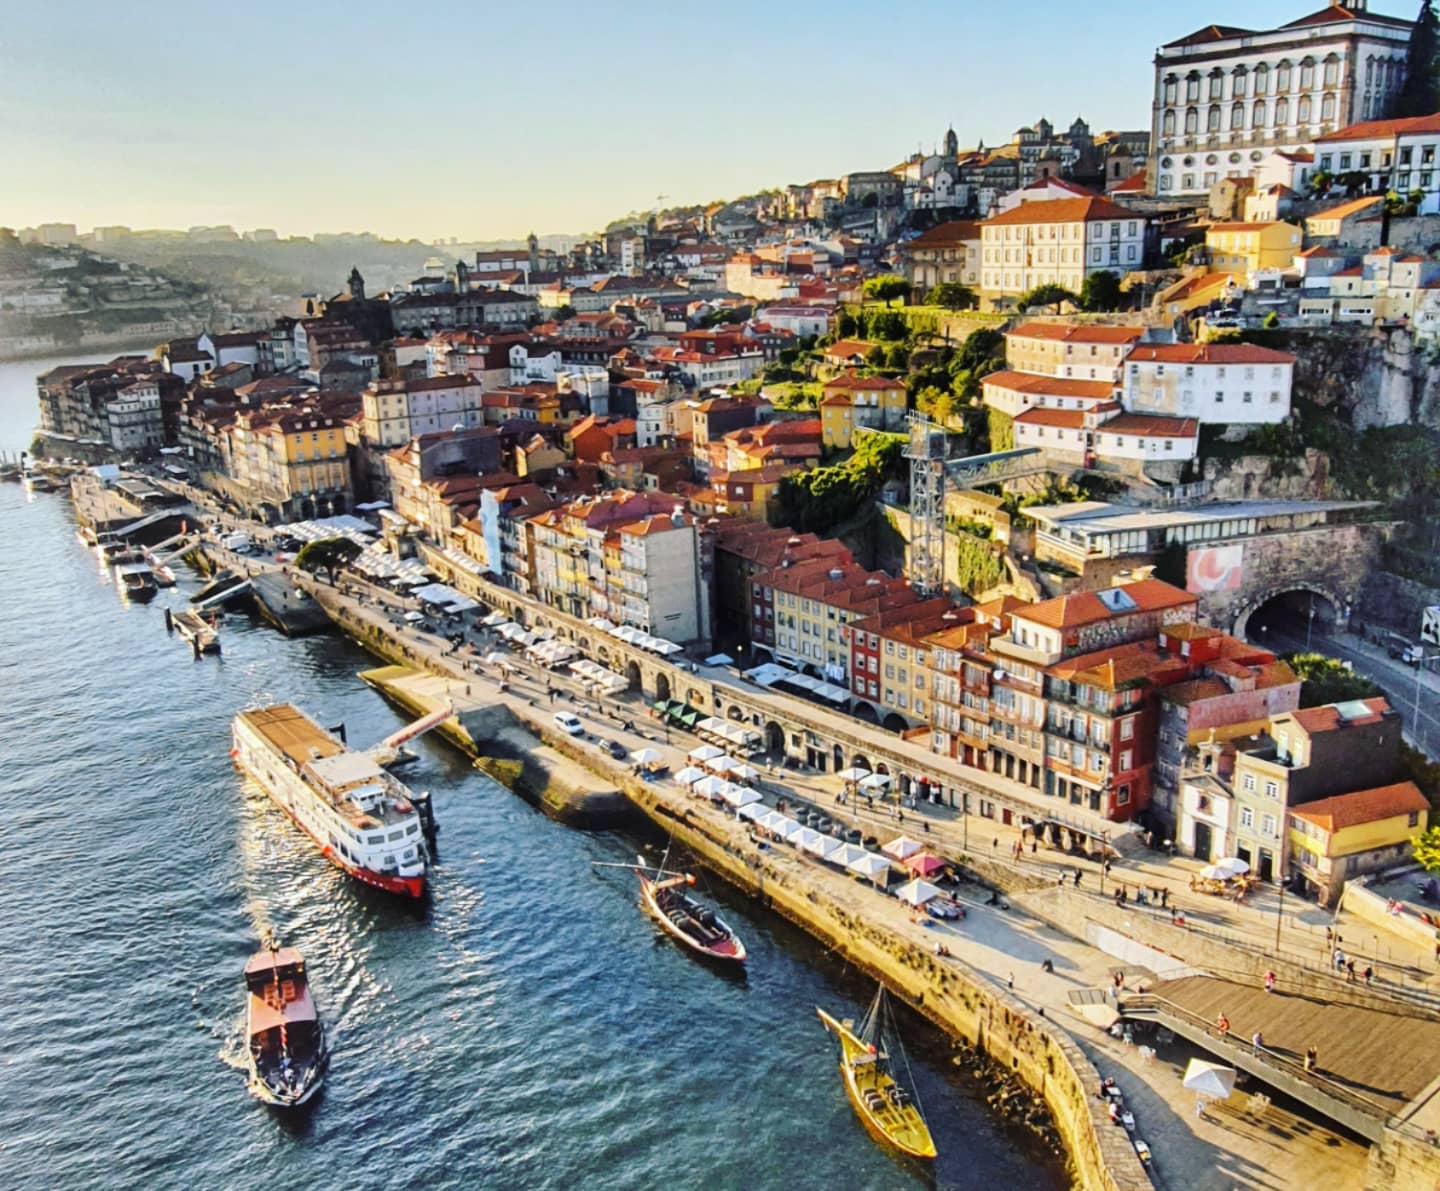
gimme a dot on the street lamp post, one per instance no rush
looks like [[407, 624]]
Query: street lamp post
[[1310, 623]]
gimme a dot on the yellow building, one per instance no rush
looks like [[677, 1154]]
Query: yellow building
[[1245, 248], [876, 402], [1337, 839], [292, 462]]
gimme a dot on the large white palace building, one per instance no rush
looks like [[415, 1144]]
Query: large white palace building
[[1227, 98]]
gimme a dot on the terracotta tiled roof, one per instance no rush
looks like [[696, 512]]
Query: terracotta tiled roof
[[1207, 353], [1134, 184], [1068, 419], [850, 383], [1327, 718], [849, 347], [1086, 607], [1076, 333], [1345, 210], [945, 235], [1334, 14], [1210, 33], [1152, 426], [1246, 227], [1072, 210], [1049, 386], [1365, 806]]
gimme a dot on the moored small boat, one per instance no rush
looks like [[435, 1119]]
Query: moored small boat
[[698, 927], [285, 1047], [137, 582], [888, 1111]]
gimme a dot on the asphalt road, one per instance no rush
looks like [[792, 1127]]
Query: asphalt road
[[1401, 683]]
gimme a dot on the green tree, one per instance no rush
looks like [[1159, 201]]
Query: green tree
[[944, 407], [953, 296], [888, 324], [328, 555], [898, 357], [1328, 680], [1418, 95], [1048, 295], [1321, 181], [845, 325], [980, 346], [1101, 291], [564, 314], [1354, 181], [1425, 848], [875, 357], [1002, 430], [886, 288]]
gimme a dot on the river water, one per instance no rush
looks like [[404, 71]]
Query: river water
[[527, 1029]]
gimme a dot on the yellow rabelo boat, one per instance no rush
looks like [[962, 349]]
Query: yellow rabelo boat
[[888, 1110]]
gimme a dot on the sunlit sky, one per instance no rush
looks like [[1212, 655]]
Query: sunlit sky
[[486, 120]]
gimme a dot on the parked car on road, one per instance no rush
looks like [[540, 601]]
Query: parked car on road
[[569, 722]]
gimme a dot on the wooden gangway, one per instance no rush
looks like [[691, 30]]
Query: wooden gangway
[[1373, 1056]]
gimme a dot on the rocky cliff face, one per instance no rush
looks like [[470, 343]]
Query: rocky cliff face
[[1366, 377], [1254, 477]]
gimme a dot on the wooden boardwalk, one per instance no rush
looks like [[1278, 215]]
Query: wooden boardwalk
[[1388, 1055]]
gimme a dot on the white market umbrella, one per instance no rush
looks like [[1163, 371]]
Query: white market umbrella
[[902, 847], [744, 773], [1210, 1079], [848, 853], [809, 839], [876, 781], [704, 753], [917, 892], [495, 620], [789, 829], [646, 756], [870, 865], [771, 820], [495, 658], [739, 796], [751, 810], [413, 617], [854, 774], [1224, 870], [689, 776], [710, 787], [724, 763], [822, 845], [709, 724]]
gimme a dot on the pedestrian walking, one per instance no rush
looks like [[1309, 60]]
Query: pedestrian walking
[[1369, 975], [995, 843], [1222, 1026], [1339, 958], [1165, 897], [1310, 1056], [1010, 982], [1257, 1041], [1077, 878], [1350, 971], [1269, 981]]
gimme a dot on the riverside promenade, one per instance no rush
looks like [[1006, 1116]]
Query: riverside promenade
[[1012, 952]]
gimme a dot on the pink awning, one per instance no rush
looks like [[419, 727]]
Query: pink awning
[[923, 864]]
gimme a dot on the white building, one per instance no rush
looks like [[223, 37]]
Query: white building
[[1104, 433], [395, 411], [1057, 242], [1397, 155], [535, 366], [1226, 96], [1070, 350], [798, 320], [134, 419], [1235, 383], [659, 578]]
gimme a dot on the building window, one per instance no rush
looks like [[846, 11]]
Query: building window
[[1267, 825], [1247, 817], [1248, 782], [1272, 790]]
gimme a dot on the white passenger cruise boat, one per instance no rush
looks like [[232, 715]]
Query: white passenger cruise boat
[[361, 817]]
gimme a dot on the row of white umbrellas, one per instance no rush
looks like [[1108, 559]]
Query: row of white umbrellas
[[851, 857], [733, 733], [633, 636], [596, 673], [718, 761], [864, 778]]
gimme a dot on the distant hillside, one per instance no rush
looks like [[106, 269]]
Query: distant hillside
[[66, 296]]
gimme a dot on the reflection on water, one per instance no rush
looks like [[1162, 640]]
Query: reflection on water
[[526, 1028]]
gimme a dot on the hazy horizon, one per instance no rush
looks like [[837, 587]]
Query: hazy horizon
[[305, 119]]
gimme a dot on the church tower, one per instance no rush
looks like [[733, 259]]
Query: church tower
[[533, 242], [356, 285], [952, 143]]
